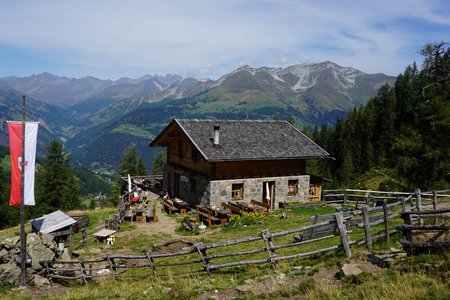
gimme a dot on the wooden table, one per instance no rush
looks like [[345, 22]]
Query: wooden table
[[181, 205], [103, 234], [222, 213], [140, 215]]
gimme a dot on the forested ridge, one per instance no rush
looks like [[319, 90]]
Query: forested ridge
[[405, 128]]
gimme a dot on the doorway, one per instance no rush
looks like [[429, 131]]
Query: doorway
[[268, 194], [176, 185]]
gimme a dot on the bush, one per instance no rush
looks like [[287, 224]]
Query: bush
[[247, 218]]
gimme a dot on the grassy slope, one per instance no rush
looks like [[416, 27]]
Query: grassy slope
[[303, 284]]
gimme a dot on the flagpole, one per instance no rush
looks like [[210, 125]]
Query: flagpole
[[23, 242]]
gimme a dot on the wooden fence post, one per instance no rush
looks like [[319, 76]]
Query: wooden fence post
[[419, 204], [402, 199], [267, 237], [202, 252], [366, 221], [345, 196], [151, 263], [82, 270], [343, 233], [386, 218], [407, 221], [435, 205], [368, 199]]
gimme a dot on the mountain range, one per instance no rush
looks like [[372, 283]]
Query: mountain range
[[99, 119]]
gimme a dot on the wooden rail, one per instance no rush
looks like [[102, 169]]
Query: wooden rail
[[121, 265], [267, 247]]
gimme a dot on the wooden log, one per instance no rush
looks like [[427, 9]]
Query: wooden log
[[343, 233], [402, 199], [423, 227], [432, 213], [238, 263], [299, 255], [202, 252], [406, 216], [269, 246], [82, 270], [435, 245], [303, 242], [368, 234], [151, 263], [230, 254], [377, 236], [385, 219], [435, 205]]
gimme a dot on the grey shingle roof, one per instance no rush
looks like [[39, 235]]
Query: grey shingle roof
[[248, 140]]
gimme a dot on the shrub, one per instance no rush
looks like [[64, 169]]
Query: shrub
[[247, 218]]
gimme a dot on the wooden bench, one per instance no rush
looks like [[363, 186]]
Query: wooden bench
[[204, 213], [151, 215], [169, 207], [128, 215], [260, 206], [234, 210]]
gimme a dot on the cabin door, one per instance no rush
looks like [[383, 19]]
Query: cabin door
[[176, 185], [268, 195]]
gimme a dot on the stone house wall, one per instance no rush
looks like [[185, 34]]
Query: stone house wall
[[214, 192], [220, 190]]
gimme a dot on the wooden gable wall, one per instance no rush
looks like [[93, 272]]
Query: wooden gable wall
[[182, 153]]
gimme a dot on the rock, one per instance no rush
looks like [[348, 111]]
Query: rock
[[5, 256], [38, 251], [349, 269], [40, 281], [65, 256], [9, 273], [49, 241], [280, 276], [10, 243]]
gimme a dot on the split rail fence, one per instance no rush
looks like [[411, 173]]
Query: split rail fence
[[326, 233]]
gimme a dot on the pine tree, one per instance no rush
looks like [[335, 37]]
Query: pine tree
[[132, 163], [159, 161], [56, 186]]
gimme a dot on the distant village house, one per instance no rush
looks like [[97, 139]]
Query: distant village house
[[214, 161]]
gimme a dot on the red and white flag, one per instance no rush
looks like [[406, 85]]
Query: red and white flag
[[15, 146]]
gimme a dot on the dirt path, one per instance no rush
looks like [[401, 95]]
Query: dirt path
[[165, 225]]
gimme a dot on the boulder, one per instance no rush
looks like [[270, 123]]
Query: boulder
[[9, 273], [37, 251], [349, 269], [49, 241], [10, 243], [40, 281], [5, 256]]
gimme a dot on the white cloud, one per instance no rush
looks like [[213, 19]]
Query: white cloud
[[130, 38]]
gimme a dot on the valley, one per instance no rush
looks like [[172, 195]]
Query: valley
[[99, 119]]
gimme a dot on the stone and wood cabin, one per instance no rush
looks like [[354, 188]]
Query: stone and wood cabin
[[215, 161]]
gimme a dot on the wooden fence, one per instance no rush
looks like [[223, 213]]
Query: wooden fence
[[117, 219], [429, 233], [370, 198], [267, 247], [204, 257]]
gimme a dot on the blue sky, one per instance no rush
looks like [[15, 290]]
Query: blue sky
[[113, 39]]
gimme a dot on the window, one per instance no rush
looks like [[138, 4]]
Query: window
[[237, 191], [293, 187]]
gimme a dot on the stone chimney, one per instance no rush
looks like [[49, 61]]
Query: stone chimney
[[216, 135]]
